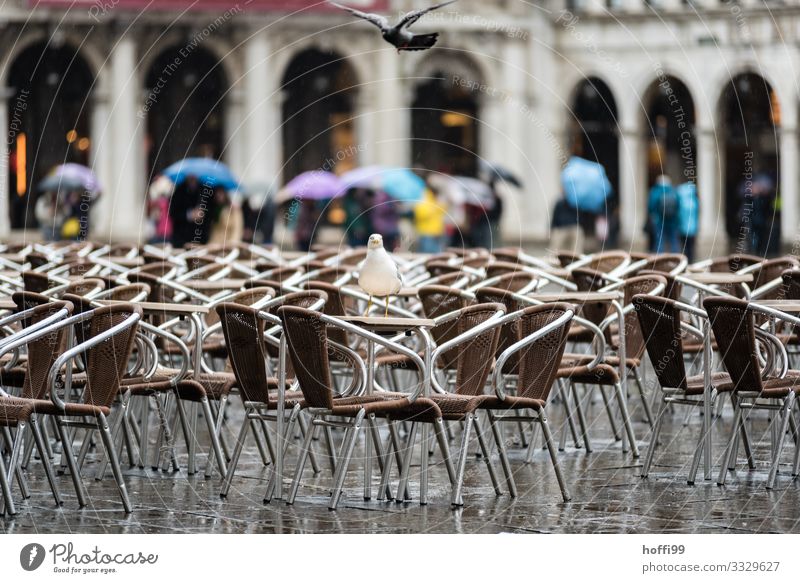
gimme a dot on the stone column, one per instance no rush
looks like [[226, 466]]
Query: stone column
[[632, 185], [393, 116], [788, 187], [5, 192], [259, 134], [712, 208], [124, 194]]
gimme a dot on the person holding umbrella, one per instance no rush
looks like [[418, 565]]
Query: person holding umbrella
[[186, 213], [69, 218]]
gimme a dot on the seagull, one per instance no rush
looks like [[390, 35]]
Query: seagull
[[399, 35], [379, 275]]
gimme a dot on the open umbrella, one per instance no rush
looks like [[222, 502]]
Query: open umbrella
[[210, 173], [476, 192], [402, 184], [312, 185], [71, 176], [585, 184], [364, 177], [493, 172]]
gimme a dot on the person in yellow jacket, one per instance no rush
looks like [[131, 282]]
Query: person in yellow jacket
[[429, 221]]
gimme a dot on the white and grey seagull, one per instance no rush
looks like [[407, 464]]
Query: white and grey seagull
[[399, 35], [379, 274]]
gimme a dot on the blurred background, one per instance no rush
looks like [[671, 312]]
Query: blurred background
[[703, 92]]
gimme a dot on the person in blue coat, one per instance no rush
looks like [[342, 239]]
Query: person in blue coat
[[662, 209], [688, 217]]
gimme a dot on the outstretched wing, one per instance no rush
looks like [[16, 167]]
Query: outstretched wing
[[375, 19], [415, 15]]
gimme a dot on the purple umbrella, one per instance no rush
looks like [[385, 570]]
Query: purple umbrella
[[364, 177], [312, 185], [71, 176]]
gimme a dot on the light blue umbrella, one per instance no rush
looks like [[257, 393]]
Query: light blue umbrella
[[402, 185], [585, 184], [364, 177], [209, 172]]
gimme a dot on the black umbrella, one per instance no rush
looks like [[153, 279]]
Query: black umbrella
[[495, 172]]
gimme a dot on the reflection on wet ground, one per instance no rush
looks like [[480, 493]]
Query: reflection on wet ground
[[608, 495]]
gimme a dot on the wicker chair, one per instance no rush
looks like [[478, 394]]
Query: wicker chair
[[309, 348], [105, 351], [665, 335], [754, 386]]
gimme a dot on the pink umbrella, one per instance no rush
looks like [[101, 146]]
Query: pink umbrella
[[312, 185]]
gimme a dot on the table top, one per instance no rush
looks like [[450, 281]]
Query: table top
[[712, 278], [162, 308], [389, 323], [578, 296]]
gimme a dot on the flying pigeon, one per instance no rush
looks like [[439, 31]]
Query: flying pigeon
[[399, 35], [379, 274]]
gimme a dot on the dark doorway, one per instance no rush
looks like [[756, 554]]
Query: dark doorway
[[184, 103], [48, 115], [319, 100], [749, 120], [444, 125]]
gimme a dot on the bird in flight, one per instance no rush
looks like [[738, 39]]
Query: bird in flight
[[399, 35]]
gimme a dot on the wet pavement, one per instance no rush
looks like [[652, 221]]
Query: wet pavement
[[608, 496]]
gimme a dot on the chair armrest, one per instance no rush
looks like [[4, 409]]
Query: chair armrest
[[519, 345], [68, 355]]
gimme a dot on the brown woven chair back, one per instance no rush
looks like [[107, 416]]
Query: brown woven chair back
[[734, 329], [589, 280], [791, 284], [335, 306], [160, 269], [566, 258], [25, 300], [125, 293], [354, 257], [436, 268], [331, 274], [247, 297], [502, 268], [740, 261], [515, 281], [665, 262], [244, 336], [634, 341], [674, 287], [539, 361], [476, 357], [660, 326], [307, 345], [770, 270], [281, 274], [158, 291], [607, 261], [85, 286], [437, 301], [36, 282], [106, 362], [42, 353], [509, 333], [36, 259], [507, 254]]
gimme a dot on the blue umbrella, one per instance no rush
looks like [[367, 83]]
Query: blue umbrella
[[364, 177], [402, 184], [209, 172], [585, 184]]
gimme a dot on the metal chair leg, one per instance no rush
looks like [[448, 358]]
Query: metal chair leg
[[548, 438], [7, 506], [216, 448], [656, 431], [347, 453], [301, 462], [441, 436], [69, 458], [457, 499], [784, 425], [611, 421], [501, 448], [403, 492], [626, 419], [48, 468], [111, 452], [237, 451], [581, 418], [648, 412], [486, 455], [273, 473], [708, 426], [737, 418]]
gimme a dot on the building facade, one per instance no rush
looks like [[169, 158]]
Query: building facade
[[700, 90]]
